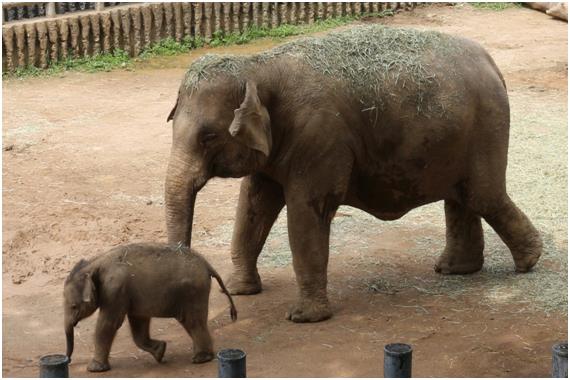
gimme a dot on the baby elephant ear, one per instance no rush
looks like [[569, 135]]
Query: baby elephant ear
[[251, 124], [88, 288]]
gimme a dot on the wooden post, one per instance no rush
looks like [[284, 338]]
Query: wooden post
[[99, 6]]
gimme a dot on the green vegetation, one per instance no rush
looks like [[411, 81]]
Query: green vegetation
[[495, 6], [169, 47], [286, 30], [101, 62]]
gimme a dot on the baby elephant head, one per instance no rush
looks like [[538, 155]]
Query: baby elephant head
[[80, 299]]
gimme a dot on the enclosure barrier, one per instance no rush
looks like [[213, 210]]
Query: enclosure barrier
[[135, 26], [54, 366], [232, 362]]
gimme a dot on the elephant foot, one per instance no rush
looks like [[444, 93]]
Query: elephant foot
[[527, 258], [240, 284], [158, 352], [309, 311], [202, 357], [450, 263], [526, 264], [96, 366]]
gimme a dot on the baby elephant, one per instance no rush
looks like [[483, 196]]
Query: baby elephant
[[142, 281]]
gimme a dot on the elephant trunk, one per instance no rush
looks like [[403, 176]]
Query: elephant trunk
[[69, 339], [182, 185]]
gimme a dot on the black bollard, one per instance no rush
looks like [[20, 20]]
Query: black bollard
[[55, 365], [231, 363], [560, 360], [397, 360]]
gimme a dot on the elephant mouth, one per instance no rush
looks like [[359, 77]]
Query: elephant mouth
[[221, 172]]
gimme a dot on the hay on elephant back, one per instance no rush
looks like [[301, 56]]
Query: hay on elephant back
[[366, 57]]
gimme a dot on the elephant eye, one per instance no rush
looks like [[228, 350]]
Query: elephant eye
[[208, 137]]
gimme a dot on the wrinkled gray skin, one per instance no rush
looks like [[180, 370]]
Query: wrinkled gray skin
[[302, 139], [141, 281]]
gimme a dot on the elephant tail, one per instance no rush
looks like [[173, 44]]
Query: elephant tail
[[213, 273]]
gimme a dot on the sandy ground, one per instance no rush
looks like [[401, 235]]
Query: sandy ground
[[83, 168]]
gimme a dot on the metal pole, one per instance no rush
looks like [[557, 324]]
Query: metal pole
[[560, 360], [231, 363], [60, 8], [397, 360], [54, 366], [12, 13]]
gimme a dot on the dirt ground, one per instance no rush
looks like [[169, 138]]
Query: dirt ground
[[84, 162]]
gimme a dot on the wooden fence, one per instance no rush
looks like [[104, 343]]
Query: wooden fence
[[132, 27]]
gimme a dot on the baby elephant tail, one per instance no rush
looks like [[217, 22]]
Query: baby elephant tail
[[233, 310]]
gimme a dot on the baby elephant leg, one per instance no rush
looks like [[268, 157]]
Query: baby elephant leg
[[108, 323], [195, 322], [203, 347], [140, 330]]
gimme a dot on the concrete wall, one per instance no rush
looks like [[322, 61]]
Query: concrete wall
[[133, 27]]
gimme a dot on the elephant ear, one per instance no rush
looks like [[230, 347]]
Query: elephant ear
[[171, 114], [251, 124], [88, 294]]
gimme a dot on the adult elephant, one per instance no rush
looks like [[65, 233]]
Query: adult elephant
[[381, 119]]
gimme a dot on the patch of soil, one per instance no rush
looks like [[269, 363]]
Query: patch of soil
[[85, 172]]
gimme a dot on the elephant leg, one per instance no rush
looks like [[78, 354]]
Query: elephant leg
[[195, 323], [516, 231], [487, 196], [464, 244], [108, 323], [140, 330], [309, 230], [260, 202]]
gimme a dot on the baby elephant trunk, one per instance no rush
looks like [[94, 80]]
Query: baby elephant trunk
[[233, 310], [69, 339]]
